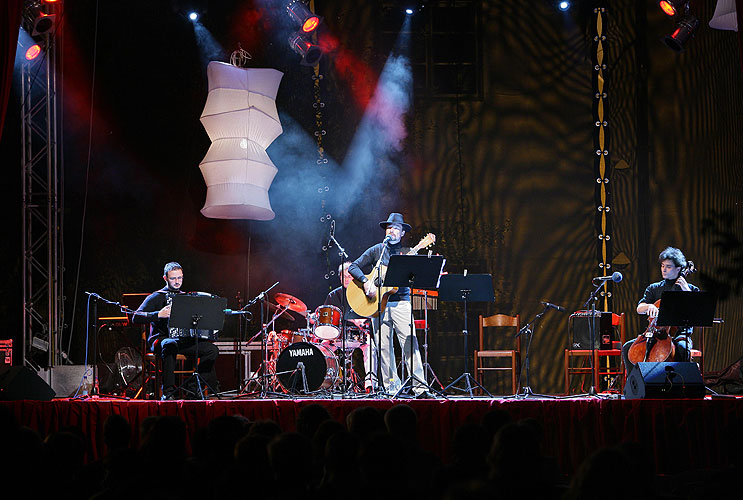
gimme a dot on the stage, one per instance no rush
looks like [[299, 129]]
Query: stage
[[682, 434]]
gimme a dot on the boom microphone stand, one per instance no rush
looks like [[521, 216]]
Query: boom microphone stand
[[94, 391], [344, 308], [528, 330]]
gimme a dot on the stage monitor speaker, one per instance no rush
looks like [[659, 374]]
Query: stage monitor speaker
[[580, 334], [667, 380], [21, 382]]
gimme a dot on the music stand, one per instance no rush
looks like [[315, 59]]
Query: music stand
[[684, 309], [414, 271], [466, 288], [197, 312]]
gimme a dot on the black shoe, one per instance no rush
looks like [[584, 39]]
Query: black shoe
[[168, 394]]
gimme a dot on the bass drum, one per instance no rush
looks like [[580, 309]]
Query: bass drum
[[320, 367]]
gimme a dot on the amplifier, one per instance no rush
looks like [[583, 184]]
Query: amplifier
[[6, 352], [580, 334]]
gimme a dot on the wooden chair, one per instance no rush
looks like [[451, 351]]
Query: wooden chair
[[152, 370], [599, 355], [514, 355]]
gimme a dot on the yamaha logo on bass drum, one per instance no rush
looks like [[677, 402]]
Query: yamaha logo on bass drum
[[295, 353]]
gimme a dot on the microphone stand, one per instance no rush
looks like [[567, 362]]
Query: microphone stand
[[592, 330], [263, 333], [528, 330], [344, 307], [94, 391]]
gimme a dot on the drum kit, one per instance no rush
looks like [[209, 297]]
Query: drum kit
[[309, 359]]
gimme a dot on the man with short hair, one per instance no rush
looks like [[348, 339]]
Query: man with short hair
[[155, 311], [396, 316], [672, 263]]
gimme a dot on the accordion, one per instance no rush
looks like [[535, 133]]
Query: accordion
[[175, 333]]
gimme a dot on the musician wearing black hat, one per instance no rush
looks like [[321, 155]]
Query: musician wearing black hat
[[672, 263], [396, 316], [155, 311]]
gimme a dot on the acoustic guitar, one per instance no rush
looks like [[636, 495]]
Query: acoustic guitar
[[369, 307]]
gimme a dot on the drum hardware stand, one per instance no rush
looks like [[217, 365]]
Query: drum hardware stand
[[197, 313], [427, 369], [293, 378], [466, 288], [528, 331], [94, 394], [423, 272]]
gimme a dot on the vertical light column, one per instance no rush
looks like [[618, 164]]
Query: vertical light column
[[602, 169]]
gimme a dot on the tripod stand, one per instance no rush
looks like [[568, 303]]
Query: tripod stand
[[423, 272], [464, 288], [194, 314]]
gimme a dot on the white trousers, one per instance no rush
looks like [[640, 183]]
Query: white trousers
[[396, 318]]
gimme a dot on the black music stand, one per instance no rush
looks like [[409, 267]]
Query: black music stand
[[466, 288], [414, 271], [685, 309], [197, 312]]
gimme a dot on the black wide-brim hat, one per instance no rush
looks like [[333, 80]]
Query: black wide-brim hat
[[395, 218]]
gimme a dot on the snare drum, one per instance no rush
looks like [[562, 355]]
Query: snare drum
[[327, 322], [320, 367]]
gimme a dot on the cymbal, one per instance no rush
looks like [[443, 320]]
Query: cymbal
[[292, 303], [284, 314]]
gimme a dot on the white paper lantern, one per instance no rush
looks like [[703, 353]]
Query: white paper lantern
[[241, 120]]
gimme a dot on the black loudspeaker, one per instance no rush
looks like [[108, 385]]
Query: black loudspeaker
[[580, 333], [21, 382], [674, 380]]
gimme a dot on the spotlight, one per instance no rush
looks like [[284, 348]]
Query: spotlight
[[685, 30], [310, 52], [564, 5], [38, 23], [409, 11], [33, 52], [193, 16], [303, 16], [672, 7]]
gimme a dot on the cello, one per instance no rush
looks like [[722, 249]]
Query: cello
[[656, 343]]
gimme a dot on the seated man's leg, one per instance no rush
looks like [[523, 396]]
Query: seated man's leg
[[208, 354], [168, 351], [683, 348]]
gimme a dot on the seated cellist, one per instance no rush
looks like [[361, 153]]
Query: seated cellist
[[672, 263]]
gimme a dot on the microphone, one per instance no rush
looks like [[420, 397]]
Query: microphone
[[616, 277], [387, 239], [553, 306], [232, 312]]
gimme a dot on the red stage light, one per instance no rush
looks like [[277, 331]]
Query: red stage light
[[33, 52], [310, 24], [667, 7]]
